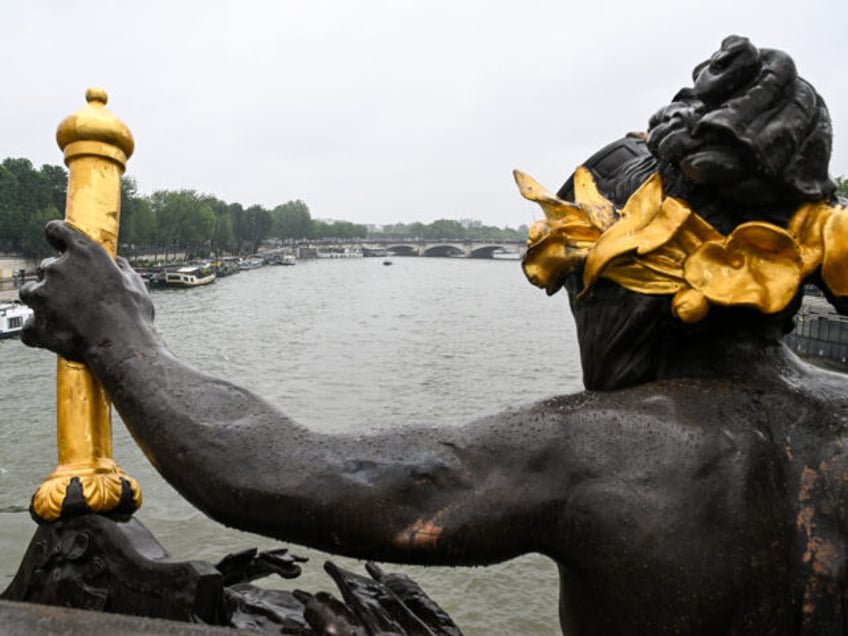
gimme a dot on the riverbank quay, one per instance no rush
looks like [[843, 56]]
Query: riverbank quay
[[14, 268], [8, 290]]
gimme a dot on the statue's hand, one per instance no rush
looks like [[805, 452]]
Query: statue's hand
[[83, 298]]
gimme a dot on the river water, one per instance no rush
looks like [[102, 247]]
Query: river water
[[339, 345]]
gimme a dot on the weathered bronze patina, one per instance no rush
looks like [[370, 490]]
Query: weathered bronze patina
[[698, 486]]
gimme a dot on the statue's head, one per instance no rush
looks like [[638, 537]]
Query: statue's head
[[709, 223], [749, 133]]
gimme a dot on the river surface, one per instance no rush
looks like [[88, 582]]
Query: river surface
[[339, 345]]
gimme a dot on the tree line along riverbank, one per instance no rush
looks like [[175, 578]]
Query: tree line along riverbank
[[187, 221]]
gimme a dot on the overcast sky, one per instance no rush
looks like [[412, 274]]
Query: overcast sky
[[386, 110]]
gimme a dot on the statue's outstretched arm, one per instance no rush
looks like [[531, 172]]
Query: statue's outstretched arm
[[449, 495]]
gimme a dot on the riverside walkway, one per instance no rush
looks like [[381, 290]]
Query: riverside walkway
[[8, 291]]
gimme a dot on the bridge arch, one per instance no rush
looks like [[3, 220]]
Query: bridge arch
[[403, 249], [443, 250], [485, 251], [482, 249]]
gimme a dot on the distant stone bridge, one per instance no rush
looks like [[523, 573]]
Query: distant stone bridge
[[444, 247]]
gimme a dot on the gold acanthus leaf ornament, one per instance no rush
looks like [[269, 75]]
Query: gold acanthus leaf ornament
[[658, 245], [103, 486]]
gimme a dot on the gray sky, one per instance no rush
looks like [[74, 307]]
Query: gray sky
[[380, 111]]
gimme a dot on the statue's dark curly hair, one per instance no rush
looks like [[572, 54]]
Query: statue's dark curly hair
[[748, 134]]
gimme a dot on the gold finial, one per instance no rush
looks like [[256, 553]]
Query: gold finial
[[96, 146], [96, 95], [95, 123]]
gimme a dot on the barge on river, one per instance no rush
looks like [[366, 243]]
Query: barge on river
[[13, 315], [190, 276]]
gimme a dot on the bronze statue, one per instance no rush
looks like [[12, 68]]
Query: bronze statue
[[697, 487]]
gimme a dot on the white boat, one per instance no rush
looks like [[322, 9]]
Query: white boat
[[190, 276], [250, 263], [339, 252], [13, 315], [504, 255]]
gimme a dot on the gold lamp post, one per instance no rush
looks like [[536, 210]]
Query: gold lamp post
[[96, 146]]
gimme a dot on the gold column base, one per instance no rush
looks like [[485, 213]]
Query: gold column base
[[72, 489]]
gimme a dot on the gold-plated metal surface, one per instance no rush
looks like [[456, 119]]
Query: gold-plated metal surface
[[96, 146], [659, 245]]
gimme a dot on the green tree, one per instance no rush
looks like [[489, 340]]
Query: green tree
[[183, 219], [29, 198], [348, 230], [322, 230], [166, 220], [144, 223], [842, 186], [32, 242], [252, 226], [54, 183], [444, 229], [30, 195], [236, 213], [224, 238], [338, 230], [292, 221], [138, 222], [223, 235], [416, 230], [10, 219], [198, 222], [395, 230]]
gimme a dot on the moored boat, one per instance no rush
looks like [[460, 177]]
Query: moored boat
[[339, 252], [226, 267], [250, 263], [277, 258], [13, 315], [190, 276]]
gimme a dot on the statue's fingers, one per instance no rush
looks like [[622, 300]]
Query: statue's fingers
[[375, 571], [33, 330], [328, 615], [128, 271], [31, 335], [32, 295], [46, 265], [28, 292], [59, 234], [38, 332], [135, 283], [70, 241]]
